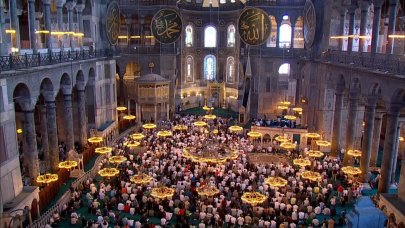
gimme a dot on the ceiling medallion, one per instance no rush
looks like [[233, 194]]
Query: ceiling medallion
[[254, 26], [166, 26], [113, 22], [309, 23]]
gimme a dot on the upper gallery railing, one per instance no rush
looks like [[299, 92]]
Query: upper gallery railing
[[14, 61]]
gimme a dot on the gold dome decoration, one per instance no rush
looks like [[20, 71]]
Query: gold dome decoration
[[207, 190], [121, 108], [180, 127], [108, 172], [129, 117], [302, 162], [253, 198], [95, 139], [276, 181], [322, 143], [210, 117], [350, 170], [164, 133], [310, 175], [312, 135], [282, 138], [288, 145], [200, 124], [103, 150], [354, 153], [141, 179], [162, 192], [254, 134], [117, 159], [67, 164], [137, 136], [47, 178], [315, 153], [149, 126], [235, 128], [290, 117]]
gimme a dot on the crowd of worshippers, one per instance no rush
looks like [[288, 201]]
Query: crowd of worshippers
[[117, 202]]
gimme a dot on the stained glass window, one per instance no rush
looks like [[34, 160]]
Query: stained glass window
[[189, 36], [231, 36], [230, 70], [210, 67], [189, 69], [210, 36]]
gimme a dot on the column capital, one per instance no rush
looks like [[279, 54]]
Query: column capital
[[60, 3], [1, 3], [66, 89], [46, 2], [31, 1], [70, 5], [48, 95], [378, 3], [27, 104], [394, 110], [371, 101], [364, 5], [79, 8], [393, 2]]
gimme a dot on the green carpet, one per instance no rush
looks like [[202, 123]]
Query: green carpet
[[225, 113]]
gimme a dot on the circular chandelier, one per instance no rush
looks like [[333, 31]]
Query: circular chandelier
[[117, 159], [288, 145], [141, 179], [401, 139], [290, 117], [354, 153], [67, 164], [137, 136], [211, 153], [47, 178], [149, 126], [254, 134], [235, 128], [302, 162], [206, 108], [207, 190], [310, 175], [200, 124], [95, 139], [276, 181], [108, 172], [322, 143], [162, 192], [215, 131], [282, 107], [297, 109], [350, 170], [19, 131], [285, 103], [312, 135], [132, 144], [180, 127], [103, 150], [253, 198], [164, 133], [129, 117], [210, 117], [315, 153], [282, 138], [121, 108]]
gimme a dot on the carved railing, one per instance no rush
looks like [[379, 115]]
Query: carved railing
[[64, 199], [15, 62]]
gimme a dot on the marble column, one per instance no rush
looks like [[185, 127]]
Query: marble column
[[79, 10], [388, 151], [31, 144], [68, 115], [352, 11], [59, 14], [14, 22], [128, 21], [52, 134], [82, 116], [337, 120], [70, 6], [351, 125], [3, 48], [395, 157], [364, 5], [376, 25], [391, 25], [44, 134], [31, 20], [342, 28], [122, 92], [47, 19], [376, 138], [369, 114], [279, 20]]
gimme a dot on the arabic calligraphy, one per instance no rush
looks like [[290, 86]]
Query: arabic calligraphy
[[113, 22], [309, 23], [254, 26], [166, 26]]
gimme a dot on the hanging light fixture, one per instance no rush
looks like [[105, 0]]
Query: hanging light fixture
[[103, 150], [47, 178], [95, 139], [350, 170], [302, 162], [149, 126], [137, 136], [164, 133], [354, 153], [310, 175], [162, 192], [253, 198], [254, 134], [117, 159]]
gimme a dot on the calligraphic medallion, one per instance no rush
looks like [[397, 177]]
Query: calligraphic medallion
[[166, 26], [309, 23], [113, 22], [254, 26]]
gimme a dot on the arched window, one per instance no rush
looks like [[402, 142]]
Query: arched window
[[189, 36], [231, 36], [272, 40], [210, 67], [284, 69], [285, 33], [189, 69], [230, 70], [222, 1], [210, 37]]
